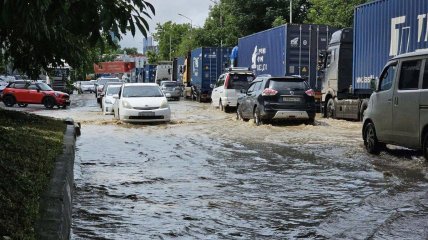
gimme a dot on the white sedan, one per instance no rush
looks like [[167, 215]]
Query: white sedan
[[141, 102], [108, 99]]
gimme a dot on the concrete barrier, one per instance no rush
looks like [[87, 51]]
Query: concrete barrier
[[56, 202]]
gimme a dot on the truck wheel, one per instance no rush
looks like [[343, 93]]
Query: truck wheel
[[331, 109], [370, 139], [49, 102], [9, 101], [425, 146]]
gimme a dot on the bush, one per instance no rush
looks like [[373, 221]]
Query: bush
[[29, 145]]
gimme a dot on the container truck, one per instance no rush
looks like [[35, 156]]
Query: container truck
[[355, 57], [149, 73], [207, 64], [291, 49], [163, 72]]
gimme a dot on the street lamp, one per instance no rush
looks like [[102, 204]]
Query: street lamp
[[291, 11], [191, 22]]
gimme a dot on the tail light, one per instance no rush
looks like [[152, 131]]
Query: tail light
[[269, 92], [310, 93], [226, 82]]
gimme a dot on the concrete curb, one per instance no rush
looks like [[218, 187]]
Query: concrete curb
[[56, 201]]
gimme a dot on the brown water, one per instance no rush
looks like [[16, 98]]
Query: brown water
[[207, 176]]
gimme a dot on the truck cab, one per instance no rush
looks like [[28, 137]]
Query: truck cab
[[336, 90], [397, 112]]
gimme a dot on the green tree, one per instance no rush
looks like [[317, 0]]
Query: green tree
[[130, 51], [336, 13], [279, 21], [169, 36], [35, 34], [152, 57]]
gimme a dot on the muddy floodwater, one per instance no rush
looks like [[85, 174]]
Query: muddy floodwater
[[206, 175]]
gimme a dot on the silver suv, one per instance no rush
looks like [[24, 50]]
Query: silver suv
[[398, 108]]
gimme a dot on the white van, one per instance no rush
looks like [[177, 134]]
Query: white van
[[397, 112], [229, 86]]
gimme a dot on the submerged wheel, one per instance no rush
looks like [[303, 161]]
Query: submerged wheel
[[49, 102], [9, 101], [425, 146], [330, 109], [23, 105], [370, 139], [257, 117]]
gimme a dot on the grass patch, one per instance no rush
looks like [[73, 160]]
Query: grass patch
[[29, 145]]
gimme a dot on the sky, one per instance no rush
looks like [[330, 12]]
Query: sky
[[167, 10]]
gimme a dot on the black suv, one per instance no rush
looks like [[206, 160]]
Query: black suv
[[277, 98]]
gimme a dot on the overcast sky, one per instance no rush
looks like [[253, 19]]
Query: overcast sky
[[167, 10]]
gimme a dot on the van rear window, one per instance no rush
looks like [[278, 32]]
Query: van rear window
[[240, 81], [288, 85]]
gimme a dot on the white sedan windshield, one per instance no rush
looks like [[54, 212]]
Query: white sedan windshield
[[141, 91]]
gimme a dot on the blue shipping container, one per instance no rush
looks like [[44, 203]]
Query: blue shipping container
[[384, 29], [208, 63], [149, 73], [291, 49], [179, 69]]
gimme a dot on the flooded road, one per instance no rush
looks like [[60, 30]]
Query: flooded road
[[207, 176]]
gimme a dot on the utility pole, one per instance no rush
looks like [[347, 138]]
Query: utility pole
[[291, 11]]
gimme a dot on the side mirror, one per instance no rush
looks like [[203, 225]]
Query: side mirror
[[116, 96], [373, 84]]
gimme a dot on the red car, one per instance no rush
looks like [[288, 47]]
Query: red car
[[28, 92]]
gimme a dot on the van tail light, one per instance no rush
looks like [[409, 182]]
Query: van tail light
[[310, 93], [226, 82], [269, 92]]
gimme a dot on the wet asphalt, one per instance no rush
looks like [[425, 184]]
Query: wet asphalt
[[206, 175]]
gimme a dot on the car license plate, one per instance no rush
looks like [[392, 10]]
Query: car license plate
[[146, 114], [291, 99]]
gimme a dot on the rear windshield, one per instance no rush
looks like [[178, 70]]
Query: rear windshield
[[240, 81], [169, 84], [288, 85], [112, 90], [142, 91], [103, 81]]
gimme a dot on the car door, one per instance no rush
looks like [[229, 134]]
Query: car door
[[218, 88], [21, 92], [382, 103], [245, 108], [405, 111], [34, 95]]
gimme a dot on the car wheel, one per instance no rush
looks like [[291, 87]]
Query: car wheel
[[257, 117], [425, 146], [310, 121], [9, 101], [331, 109], [49, 102], [23, 105], [64, 106], [370, 139]]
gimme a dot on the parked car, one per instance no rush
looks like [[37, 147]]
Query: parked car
[[100, 85], [31, 92], [108, 99], [397, 112], [171, 89], [86, 86], [277, 98], [141, 102], [229, 86]]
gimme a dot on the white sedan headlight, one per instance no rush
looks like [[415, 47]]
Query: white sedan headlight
[[164, 104], [126, 104]]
